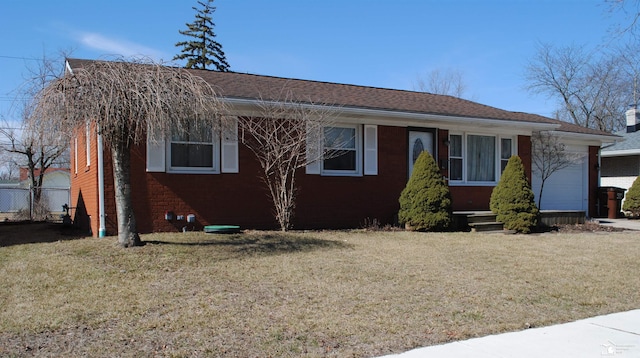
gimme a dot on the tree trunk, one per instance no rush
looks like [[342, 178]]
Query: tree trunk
[[540, 196], [127, 230]]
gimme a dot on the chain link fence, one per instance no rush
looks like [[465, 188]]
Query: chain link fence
[[35, 204]]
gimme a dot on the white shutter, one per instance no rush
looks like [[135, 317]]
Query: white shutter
[[370, 150], [156, 152], [314, 150], [229, 149]]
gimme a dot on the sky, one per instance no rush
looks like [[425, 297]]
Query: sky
[[389, 44]]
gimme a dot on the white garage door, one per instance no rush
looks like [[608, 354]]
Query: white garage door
[[566, 189]]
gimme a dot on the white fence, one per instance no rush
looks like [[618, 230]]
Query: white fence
[[19, 203]]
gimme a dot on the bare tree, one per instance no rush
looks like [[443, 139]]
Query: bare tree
[[549, 155], [282, 138], [447, 82], [630, 9], [10, 167], [592, 89], [123, 99], [37, 149], [33, 144]]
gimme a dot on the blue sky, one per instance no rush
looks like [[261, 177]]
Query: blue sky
[[365, 42]]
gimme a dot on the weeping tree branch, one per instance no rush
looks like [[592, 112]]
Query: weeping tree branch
[[125, 100]]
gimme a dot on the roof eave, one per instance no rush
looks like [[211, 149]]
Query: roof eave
[[601, 138], [382, 116], [620, 153]]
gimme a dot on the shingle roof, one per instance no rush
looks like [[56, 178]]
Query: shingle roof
[[631, 142], [250, 86]]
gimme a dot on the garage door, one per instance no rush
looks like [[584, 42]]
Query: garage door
[[566, 189]]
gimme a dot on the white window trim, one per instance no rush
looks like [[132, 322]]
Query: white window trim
[[359, 154], [498, 157], [88, 142], [215, 169]]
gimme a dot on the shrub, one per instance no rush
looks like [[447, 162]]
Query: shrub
[[512, 200], [632, 199], [425, 203]]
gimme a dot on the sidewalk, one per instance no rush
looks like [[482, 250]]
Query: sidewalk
[[628, 224], [614, 335]]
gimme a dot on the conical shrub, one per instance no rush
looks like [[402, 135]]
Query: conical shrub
[[425, 203], [512, 200], [632, 199]]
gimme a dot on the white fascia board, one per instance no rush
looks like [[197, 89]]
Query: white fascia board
[[591, 139], [398, 118], [619, 153]]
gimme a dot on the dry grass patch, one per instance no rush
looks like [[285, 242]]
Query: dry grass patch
[[303, 294]]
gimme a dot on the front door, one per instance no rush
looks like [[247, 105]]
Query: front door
[[419, 141]]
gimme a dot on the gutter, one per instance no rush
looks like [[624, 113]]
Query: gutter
[[618, 153], [416, 117]]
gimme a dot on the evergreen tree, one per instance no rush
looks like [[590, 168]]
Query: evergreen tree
[[512, 200], [632, 199], [203, 50], [425, 203]]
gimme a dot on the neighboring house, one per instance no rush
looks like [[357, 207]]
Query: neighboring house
[[54, 178], [620, 163], [11, 197], [471, 143], [17, 196]]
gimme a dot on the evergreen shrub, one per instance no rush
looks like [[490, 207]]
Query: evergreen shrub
[[425, 203], [632, 199], [512, 200]]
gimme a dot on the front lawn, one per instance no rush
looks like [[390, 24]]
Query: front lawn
[[340, 294]]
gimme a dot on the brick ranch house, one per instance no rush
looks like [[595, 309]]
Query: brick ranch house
[[470, 141]]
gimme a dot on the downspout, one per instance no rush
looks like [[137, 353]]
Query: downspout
[[102, 231]]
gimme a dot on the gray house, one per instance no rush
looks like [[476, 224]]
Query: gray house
[[620, 162]]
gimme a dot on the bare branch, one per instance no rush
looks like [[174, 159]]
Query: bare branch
[[593, 89], [446, 82], [284, 136], [549, 155]]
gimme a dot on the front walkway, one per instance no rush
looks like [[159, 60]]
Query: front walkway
[[628, 224], [615, 335]]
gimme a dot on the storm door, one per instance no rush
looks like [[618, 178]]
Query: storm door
[[419, 141]]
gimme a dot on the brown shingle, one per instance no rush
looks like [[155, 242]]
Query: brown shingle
[[249, 86]]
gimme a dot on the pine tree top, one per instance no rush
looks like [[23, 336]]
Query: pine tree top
[[202, 51]]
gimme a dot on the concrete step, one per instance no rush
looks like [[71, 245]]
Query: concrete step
[[493, 226], [481, 218]]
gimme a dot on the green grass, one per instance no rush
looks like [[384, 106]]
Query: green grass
[[303, 294]]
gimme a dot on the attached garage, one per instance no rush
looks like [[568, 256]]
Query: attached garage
[[568, 188]]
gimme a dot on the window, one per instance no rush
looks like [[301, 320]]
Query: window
[[349, 150], [75, 155], [474, 158], [88, 142], [342, 150], [481, 158], [506, 148], [455, 157], [194, 149]]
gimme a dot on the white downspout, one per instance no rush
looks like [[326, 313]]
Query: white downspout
[[102, 231]]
